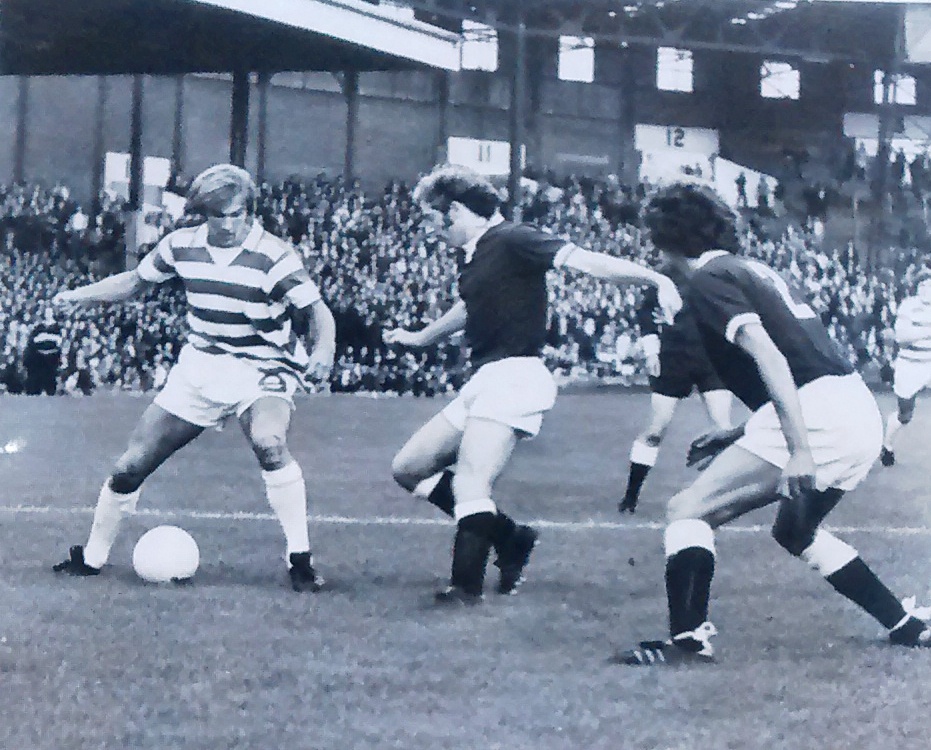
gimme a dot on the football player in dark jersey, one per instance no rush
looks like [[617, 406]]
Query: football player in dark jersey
[[677, 364], [502, 308], [814, 433]]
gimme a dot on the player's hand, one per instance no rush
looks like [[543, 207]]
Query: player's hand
[[66, 297], [321, 364], [670, 301], [652, 364], [706, 447], [401, 336], [799, 474]]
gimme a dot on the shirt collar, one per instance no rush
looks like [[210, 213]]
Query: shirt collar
[[469, 247], [706, 257]]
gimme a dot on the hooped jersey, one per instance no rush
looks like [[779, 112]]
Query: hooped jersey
[[240, 299]]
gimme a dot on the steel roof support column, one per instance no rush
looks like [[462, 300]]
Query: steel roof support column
[[133, 216], [22, 129], [516, 120], [262, 85], [239, 118]]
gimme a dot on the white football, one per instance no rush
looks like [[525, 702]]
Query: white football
[[166, 553]]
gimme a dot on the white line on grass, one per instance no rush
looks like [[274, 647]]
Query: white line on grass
[[404, 521]]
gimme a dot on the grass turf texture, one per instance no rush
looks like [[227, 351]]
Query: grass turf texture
[[237, 660]]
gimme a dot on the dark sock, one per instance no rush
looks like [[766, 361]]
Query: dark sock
[[859, 584], [688, 588], [470, 551], [503, 530], [638, 473], [442, 495]]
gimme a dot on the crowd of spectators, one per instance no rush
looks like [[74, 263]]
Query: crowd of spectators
[[377, 266]]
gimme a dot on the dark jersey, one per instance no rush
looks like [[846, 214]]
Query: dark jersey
[[726, 292], [683, 363], [504, 290]]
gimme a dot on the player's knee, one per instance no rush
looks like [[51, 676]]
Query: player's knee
[[131, 470], [791, 529], [404, 472], [652, 437], [126, 480], [271, 450]]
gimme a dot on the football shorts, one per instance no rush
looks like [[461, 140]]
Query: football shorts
[[205, 389], [845, 431], [909, 377], [683, 365], [516, 391]]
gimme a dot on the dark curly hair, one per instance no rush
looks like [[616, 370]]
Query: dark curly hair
[[689, 218], [448, 184]]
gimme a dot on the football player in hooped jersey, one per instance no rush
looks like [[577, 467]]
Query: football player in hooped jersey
[[502, 308], [249, 299], [814, 433], [913, 360]]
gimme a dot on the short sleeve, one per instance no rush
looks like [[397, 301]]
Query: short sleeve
[[289, 282], [159, 264], [537, 247], [718, 302]]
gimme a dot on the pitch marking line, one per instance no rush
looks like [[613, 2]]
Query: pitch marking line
[[404, 521]]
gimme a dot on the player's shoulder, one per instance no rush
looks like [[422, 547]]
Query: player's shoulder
[[182, 237], [274, 248], [911, 303]]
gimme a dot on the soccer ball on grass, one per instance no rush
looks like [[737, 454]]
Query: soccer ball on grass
[[166, 553]]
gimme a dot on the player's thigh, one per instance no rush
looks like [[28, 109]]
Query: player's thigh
[[662, 409], [430, 449], [718, 405], [485, 450], [734, 483], [157, 435]]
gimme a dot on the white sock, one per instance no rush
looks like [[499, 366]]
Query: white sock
[[892, 427], [287, 496], [107, 516]]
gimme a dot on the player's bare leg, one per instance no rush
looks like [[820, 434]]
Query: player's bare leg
[[902, 416], [736, 482], [645, 448], [421, 466], [484, 451], [158, 435], [718, 405], [265, 425], [425, 467]]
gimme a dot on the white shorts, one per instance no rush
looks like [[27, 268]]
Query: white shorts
[[205, 389], [910, 377], [845, 431], [516, 391]]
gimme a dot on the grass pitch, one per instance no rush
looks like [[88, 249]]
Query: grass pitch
[[237, 660]]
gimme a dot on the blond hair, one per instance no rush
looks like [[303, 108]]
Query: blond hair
[[216, 187]]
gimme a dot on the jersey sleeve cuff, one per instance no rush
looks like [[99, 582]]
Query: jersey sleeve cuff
[[738, 322], [562, 255]]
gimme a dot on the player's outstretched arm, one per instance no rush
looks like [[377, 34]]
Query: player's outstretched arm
[[777, 377], [447, 324], [623, 271], [116, 288], [323, 329]]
